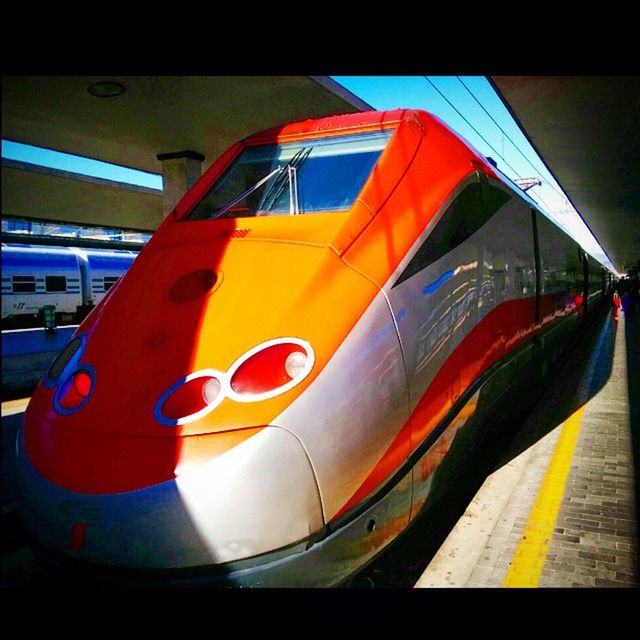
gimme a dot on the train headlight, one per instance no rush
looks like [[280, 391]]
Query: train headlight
[[190, 398], [75, 391], [270, 369], [73, 382], [295, 363], [211, 390], [266, 371]]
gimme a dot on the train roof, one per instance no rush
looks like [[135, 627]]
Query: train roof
[[527, 198], [335, 125], [22, 255], [104, 259]]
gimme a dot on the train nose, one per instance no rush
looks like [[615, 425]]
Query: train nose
[[230, 508]]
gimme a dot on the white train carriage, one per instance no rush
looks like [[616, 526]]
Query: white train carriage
[[34, 276], [67, 278], [100, 270]]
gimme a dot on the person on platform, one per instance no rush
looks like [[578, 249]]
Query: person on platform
[[617, 302]]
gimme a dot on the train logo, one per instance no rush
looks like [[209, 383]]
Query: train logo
[[266, 396]]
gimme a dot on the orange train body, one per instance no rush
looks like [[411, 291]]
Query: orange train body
[[291, 355]]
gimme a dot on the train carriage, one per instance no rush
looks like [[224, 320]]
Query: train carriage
[[70, 279], [102, 270], [299, 345], [35, 276]]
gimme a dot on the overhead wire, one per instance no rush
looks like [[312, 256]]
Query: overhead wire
[[517, 148], [467, 121], [537, 197], [483, 138]]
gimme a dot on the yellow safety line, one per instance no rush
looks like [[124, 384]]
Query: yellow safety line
[[9, 407], [528, 561]]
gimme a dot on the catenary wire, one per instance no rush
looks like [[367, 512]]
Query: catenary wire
[[549, 183], [517, 148], [535, 197], [538, 198], [467, 121]]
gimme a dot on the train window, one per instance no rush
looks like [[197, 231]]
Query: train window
[[473, 206], [310, 176], [55, 283], [109, 281], [24, 284]]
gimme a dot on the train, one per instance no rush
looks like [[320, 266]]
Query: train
[[71, 279], [266, 397]]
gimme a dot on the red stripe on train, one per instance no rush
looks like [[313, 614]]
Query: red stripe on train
[[500, 332]]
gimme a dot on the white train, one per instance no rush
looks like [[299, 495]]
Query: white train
[[72, 280]]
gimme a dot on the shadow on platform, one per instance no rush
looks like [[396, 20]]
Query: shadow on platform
[[581, 375], [585, 370]]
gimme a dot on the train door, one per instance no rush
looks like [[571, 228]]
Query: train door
[[585, 281]]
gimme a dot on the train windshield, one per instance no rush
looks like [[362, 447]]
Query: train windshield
[[291, 178]]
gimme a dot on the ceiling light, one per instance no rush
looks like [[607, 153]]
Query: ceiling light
[[106, 89]]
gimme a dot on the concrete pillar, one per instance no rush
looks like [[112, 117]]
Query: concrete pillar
[[180, 170]]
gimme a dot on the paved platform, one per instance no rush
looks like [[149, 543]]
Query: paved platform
[[562, 511]]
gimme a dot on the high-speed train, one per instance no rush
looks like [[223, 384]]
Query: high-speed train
[[265, 397], [69, 278]]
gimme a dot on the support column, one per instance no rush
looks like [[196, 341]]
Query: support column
[[180, 170]]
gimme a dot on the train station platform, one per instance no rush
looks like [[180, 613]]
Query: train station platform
[[561, 508]]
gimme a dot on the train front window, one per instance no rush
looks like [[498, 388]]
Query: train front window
[[310, 176]]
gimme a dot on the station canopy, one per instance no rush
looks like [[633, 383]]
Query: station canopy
[[129, 121], [586, 129]]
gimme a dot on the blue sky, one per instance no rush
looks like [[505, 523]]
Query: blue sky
[[468, 104], [78, 164]]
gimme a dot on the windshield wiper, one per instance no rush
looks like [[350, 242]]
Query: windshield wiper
[[273, 193], [293, 191], [246, 193], [288, 173]]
